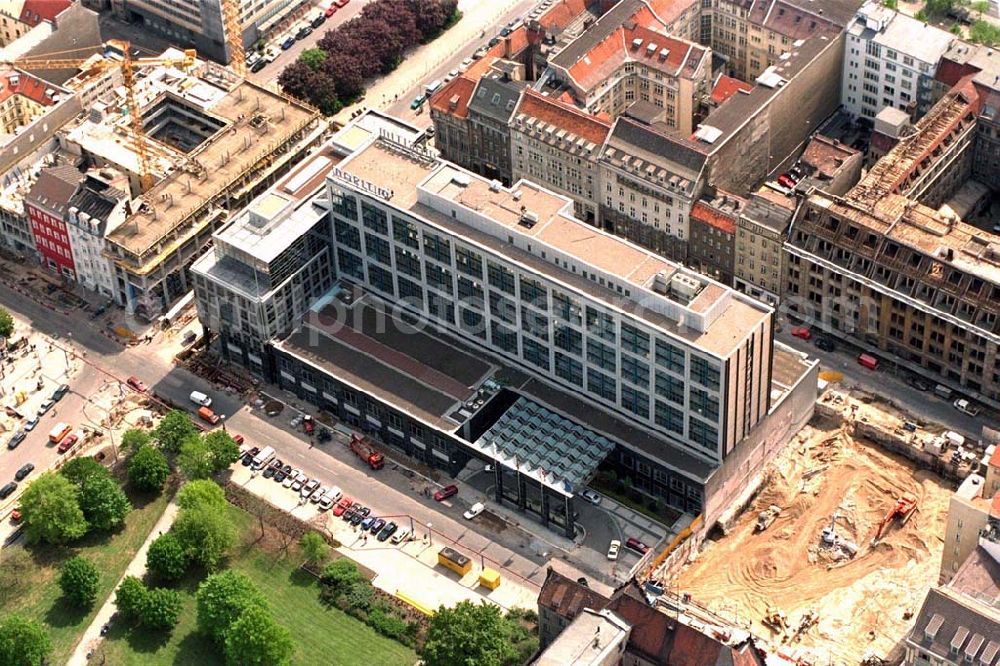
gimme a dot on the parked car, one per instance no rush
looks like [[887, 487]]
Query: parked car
[[474, 510], [318, 494], [16, 439], [308, 487], [279, 476], [335, 493], [8, 490], [25, 470], [417, 102], [367, 521], [613, 549], [304, 32], [446, 492], [30, 424], [802, 332], [376, 525], [259, 65], [330, 11], [966, 407], [636, 545], [45, 407], [343, 505], [292, 478], [136, 384], [288, 43], [318, 21], [401, 535], [60, 392], [786, 180], [341, 3], [826, 344], [200, 399], [268, 473], [591, 496], [387, 531], [919, 384], [68, 442]]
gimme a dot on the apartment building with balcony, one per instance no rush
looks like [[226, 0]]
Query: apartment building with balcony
[[890, 60]]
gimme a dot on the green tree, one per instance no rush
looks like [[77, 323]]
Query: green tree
[[103, 502], [51, 511], [980, 7], [166, 558], [938, 7], [23, 642], [201, 493], [255, 639], [314, 547], [133, 440], [313, 58], [6, 323], [468, 634], [173, 429], [83, 468], [160, 609], [206, 535], [341, 574], [148, 469], [983, 32], [194, 460], [222, 598], [130, 597], [224, 449], [78, 579]]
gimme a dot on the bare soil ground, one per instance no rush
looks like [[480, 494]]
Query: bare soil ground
[[863, 603]]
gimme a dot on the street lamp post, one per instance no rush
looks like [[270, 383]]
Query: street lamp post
[[429, 533], [222, 419]]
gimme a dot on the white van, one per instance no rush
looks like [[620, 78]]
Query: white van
[[402, 535], [199, 398]]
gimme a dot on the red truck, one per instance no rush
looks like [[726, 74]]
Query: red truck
[[363, 448], [206, 414]]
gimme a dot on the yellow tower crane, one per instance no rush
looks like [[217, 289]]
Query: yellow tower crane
[[233, 26], [127, 65]]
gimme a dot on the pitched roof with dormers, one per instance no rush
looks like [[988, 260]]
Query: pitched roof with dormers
[[635, 43], [34, 12], [453, 98], [563, 116], [17, 82]]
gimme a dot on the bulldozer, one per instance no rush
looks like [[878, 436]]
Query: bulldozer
[[904, 509], [775, 620], [766, 517]]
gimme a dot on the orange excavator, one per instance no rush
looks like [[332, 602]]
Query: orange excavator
[[903, 510]]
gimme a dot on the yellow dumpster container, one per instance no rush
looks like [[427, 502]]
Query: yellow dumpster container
[[490, 578], [454, 560]]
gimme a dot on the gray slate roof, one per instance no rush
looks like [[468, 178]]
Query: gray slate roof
[[496, 98]]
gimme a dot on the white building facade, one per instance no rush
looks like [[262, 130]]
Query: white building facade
[[889, 60]]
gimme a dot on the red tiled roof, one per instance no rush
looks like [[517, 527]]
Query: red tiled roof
[[995, 458], [27, 85], [617, 48], [995, 505], [516, 41], [35, 11], [712, 217], [666, 11], [562, 115], [726, 87], [459, 91], [562, 14], [566, 597]]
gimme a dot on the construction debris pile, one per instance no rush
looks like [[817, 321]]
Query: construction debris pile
[[835, 553]]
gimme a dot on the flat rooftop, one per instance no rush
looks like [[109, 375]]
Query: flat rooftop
[[425, 186], [256, 123]]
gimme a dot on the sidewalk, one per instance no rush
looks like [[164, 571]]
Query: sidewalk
[[137, 567]]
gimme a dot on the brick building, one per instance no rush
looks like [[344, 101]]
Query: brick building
[[47, 206], [711, 249]]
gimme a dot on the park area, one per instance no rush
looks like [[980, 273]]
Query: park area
[[862, 603], [272, 561], [29, 575]]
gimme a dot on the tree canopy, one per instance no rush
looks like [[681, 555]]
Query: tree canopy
[[103, 502], [51, 511], [205, 534], [23, 642], [130, 597], [223, 448], [133, 440], [78, 579], [148, 469], [314, 547], [222, 598], [468, 635], [166, 558], [82, 468], [160, 608], [6, 323], [255, 639], [201, 493], [194, 460], [173, 429]]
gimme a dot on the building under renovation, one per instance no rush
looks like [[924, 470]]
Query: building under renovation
[[215, 141], [893, 264]]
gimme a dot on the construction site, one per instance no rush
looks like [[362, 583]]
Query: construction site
[[834, 556]]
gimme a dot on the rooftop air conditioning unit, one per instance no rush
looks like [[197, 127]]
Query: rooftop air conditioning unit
[[684, 286], [495, 185]]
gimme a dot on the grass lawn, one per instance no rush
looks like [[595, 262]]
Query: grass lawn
[[29, 576], [322, 635]]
